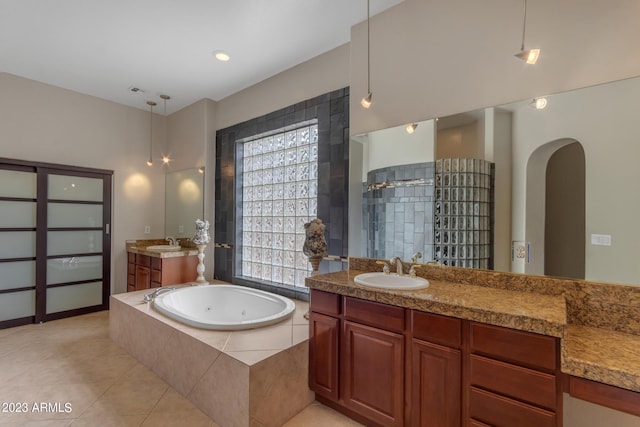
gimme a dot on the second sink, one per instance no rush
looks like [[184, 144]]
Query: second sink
[[390, 281]]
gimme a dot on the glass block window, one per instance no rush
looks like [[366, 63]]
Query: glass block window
[[279, 195]]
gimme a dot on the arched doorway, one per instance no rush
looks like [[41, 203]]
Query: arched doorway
[[555, 209]]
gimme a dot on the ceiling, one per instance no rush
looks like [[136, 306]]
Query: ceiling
[[104, 48]]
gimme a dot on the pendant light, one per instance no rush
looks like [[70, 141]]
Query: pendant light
[[530, 56], [151, 104], [366, 101], [165, 157], [411, 128]]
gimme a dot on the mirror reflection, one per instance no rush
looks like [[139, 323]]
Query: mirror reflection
[[565, 195], [184, 202]]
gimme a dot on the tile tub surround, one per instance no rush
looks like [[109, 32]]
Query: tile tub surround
[[238, 378], [598, 323]]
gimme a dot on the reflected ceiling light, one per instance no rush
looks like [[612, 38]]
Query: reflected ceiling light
[[411, 128], [530, 56], [165, 157], [201, 169], [221, 56], [151, 104], [366, 101], [539, 103]]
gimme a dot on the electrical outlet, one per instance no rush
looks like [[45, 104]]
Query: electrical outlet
[[181, 229], [147, 229], [601, 239]]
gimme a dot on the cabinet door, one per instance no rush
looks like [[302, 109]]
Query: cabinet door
[[323, 354], [373, 374], [143, 277], [435, 385]]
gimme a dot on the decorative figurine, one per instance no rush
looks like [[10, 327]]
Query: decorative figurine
[[315, 246], [201, 238]]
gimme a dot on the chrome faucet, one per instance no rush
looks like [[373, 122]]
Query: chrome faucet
[[416, 257], [398, 262], [172, 241], [150, 297]]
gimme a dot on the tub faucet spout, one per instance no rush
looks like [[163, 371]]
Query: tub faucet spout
[[150, 297]]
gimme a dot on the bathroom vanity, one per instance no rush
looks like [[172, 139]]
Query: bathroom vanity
[[152, 268], [476, 349]]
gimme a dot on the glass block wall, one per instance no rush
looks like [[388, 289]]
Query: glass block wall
[[463, 213], [279, 195]]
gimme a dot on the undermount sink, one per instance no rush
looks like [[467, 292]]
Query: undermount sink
[[390, 281], [163, 248]]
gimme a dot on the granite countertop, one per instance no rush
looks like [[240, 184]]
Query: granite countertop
[[595, 353], [162, 253]]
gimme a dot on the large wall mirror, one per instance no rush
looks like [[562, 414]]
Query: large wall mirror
[[184, 202], [566, 177]]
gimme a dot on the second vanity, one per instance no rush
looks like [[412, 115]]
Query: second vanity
[[475, 348], [151, 268]]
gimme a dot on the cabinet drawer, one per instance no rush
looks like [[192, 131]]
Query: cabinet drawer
[[521, 383], [435, 328], [371, 313], [143, 260], [324, 302], [156, 263], [499, 411], [156, 276], [520, 347]]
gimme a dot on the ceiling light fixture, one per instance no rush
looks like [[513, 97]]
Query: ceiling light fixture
[[539, 103], [411, 128], [165, 157], [151, 104], [221, 56], [530, 56], [366, 101]]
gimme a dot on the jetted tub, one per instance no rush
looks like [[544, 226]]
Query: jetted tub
[[224, 307]]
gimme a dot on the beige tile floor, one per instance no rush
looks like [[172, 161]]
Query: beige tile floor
[[69, 373]]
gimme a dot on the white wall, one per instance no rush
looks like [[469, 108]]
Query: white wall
[[603, 119], [433, 58], [44, 123], [319, 75]]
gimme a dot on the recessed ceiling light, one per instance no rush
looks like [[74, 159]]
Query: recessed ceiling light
[[221, 56]]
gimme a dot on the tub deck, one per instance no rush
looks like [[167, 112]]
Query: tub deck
[[255, 377]]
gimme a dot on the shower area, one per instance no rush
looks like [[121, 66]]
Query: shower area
[[442, 209]]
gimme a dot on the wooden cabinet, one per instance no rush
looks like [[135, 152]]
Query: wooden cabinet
[[373, 373], [323, 355], [144, 271], [436, 370], [389, 366], [512, 377]]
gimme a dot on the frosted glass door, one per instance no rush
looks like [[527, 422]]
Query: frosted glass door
[[75, 242], [18, 214]]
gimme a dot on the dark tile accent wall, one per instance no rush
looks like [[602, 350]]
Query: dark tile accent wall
[[398, 219], [331, 110]]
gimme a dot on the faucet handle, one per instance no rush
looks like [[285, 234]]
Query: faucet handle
[[416, 257], [385, 266]]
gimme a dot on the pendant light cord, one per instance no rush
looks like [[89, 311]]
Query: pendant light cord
[[524, 23], [369, 50]]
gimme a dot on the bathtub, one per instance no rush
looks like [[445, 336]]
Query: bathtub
[[224, 307]]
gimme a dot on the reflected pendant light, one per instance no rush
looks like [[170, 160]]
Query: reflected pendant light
[[366, 101], [151, 104], [165, 157], [530, 56], [411, 128]]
